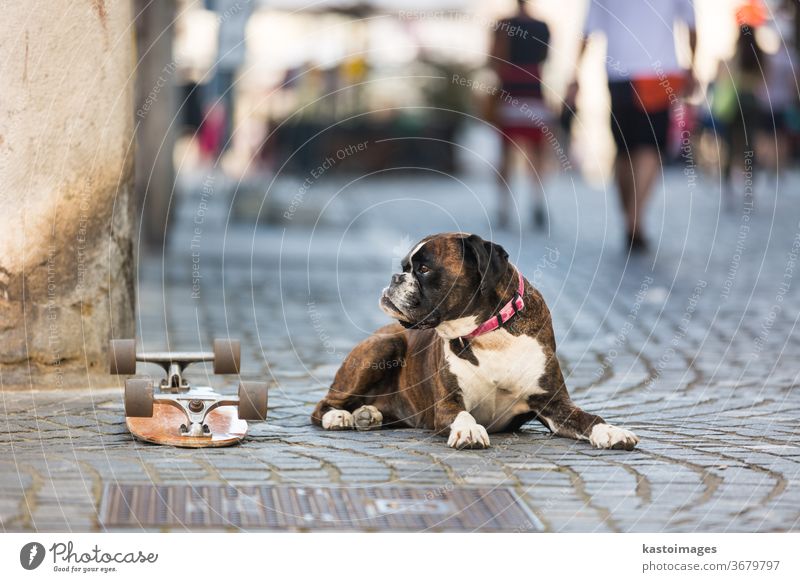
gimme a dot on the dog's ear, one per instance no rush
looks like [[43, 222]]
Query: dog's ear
[[491, 260]]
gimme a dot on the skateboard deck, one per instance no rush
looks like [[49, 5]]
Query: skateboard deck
[[163, 427]]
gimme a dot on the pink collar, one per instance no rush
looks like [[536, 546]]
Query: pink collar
[[508, 311]]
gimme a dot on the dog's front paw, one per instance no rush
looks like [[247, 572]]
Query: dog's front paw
[[367, 417], [465, 433], [337, 420], [607, 436]]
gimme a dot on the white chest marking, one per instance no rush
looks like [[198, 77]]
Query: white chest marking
[[456, 327], [508, 372]]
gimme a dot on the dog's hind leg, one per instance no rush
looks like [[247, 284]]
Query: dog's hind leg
[[350, 400]]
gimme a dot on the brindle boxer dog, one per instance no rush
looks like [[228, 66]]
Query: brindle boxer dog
[[473, 353]]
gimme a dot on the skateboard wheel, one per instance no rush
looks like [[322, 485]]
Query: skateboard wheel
[[122, 356], [253, 400], [138, 397], [227, 356]]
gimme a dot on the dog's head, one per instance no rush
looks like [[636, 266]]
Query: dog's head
[[446, 278]]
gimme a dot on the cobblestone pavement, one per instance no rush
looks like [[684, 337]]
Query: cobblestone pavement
[[693, 347]]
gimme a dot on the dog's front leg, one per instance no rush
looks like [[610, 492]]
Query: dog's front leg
[[466, 433], [347, 404], [463, 430], [557, 412]]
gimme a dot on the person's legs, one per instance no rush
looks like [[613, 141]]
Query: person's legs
[[640, 136], [635, 175], [535, 168], [503, 184], [781, 152], [623, 173], [726, 178], [739, 164], [741, 167], [646, 167], [626, 120]]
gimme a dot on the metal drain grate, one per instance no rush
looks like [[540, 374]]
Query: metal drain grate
[[313, 508]]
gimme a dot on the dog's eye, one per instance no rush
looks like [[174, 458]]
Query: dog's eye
[[423, 269]]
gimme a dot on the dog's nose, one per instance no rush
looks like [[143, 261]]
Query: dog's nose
[[397, 278]]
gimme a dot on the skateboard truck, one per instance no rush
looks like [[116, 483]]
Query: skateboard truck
[[196, 403]]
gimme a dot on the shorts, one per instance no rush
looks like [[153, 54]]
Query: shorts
[[632, 126], [775, 120], [525, 120], [521, 133]]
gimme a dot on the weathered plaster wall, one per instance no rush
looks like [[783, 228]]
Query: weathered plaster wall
[[66, 162]]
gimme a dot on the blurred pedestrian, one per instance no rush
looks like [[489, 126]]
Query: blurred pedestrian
[[232, 18], [736, 105], [211, 136], [644, 78], [779, 95], [519, 49]]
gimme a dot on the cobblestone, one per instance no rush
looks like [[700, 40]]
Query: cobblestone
[[693, 347]]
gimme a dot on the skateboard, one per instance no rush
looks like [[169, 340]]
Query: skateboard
[[173, 412]]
